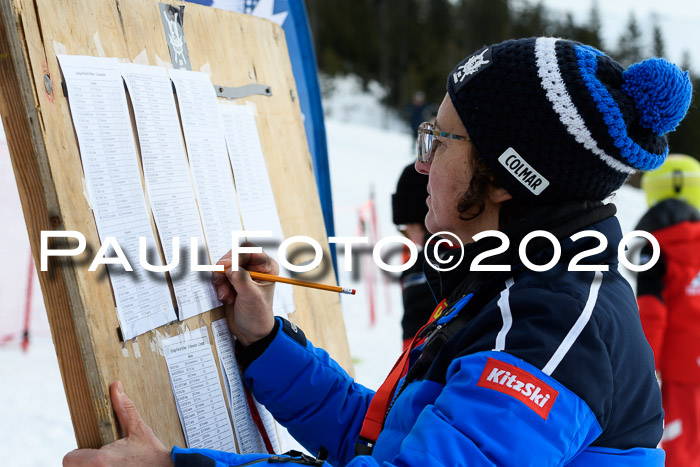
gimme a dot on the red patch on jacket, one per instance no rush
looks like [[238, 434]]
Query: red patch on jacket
[[522, 385]]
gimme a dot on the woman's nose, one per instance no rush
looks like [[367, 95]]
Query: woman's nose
[[422, 167]]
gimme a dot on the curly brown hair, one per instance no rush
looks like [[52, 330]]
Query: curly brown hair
[[473, 201]]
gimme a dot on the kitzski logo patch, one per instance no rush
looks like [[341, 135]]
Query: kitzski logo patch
[[520, 384], [470, 67]]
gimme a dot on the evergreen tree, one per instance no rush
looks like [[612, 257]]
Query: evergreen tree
[[658, 47], [411, 45], [568, 29], [338, 26], [593, 28], [629, 48], [438, 51], [531, 20], [686, 138], [685, 61], [480, 23], [403, 36]]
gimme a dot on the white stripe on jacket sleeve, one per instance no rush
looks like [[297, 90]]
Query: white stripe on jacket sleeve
[[578, 326], [506, 315]]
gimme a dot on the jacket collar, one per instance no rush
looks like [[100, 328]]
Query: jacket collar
[[562, 220]]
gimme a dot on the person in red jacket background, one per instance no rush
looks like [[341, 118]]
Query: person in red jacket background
[[668, 295]]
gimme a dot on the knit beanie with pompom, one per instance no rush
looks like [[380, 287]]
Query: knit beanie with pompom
[[557, 120]]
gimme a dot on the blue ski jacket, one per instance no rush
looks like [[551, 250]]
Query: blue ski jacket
[[549, 368]]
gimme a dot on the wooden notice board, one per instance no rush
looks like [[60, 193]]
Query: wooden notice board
[[237, 50]]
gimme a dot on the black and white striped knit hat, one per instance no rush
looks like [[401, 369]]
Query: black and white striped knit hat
[[558, 120]]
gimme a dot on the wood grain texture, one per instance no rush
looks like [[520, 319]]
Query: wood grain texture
[[239, 50]]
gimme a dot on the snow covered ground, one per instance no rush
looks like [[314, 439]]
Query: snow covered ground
[[368, 149], [35, 425]]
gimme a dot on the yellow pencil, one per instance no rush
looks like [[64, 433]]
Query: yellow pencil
[[272, 278]]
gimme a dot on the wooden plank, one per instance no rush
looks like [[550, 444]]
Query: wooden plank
[[239, 50], [21, 121]]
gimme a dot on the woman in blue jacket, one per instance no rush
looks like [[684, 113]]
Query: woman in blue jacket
[[535, 355]]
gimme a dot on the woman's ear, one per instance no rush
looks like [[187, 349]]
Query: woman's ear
[[498, 195]]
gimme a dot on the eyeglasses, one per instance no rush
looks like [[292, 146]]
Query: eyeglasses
[[427, 142]]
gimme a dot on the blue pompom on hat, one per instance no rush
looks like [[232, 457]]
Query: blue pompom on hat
[[660, 108], [557, 120]]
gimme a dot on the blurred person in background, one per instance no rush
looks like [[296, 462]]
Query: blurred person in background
[[419, 111], [669, 301], [416, 111], [409, 211], [520, 365]]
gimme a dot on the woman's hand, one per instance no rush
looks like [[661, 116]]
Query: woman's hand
[[139, 446], [248, 303]]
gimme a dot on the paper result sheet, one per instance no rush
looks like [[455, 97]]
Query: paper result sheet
[[257, 202], [247, 434], [169, 184], [211, 169], [103, 126], [195, 382]]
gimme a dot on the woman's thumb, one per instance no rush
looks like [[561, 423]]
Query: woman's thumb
[[240, 279], [126, 411]]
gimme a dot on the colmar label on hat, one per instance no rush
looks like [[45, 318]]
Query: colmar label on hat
[[470, 67], [522, 385], [523, 171]]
